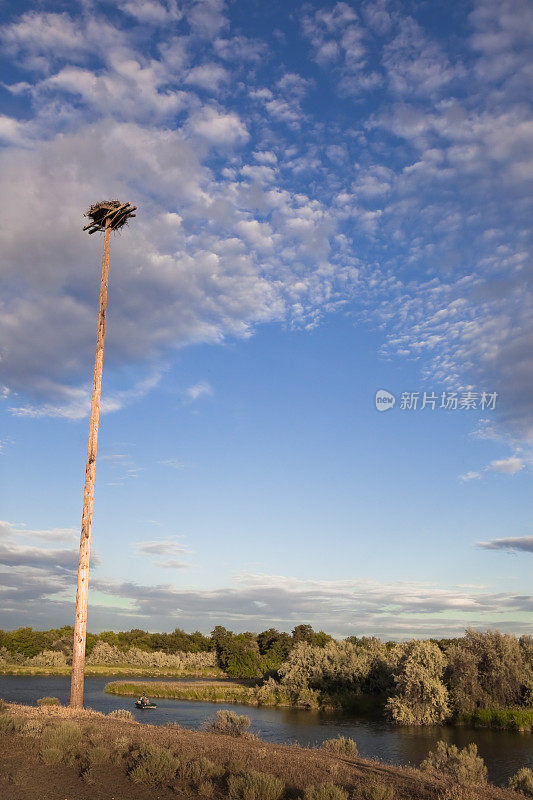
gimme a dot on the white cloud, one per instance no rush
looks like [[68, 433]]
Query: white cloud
[[470, 476], [174, 463], [10, 530], [350, 607], [266, 157], [218, 251], [258, 234], [152, 11], [218, 127], [206, 17], [11, 130], [207, 76], [77, 401], [415, 64], [36, 35], [165, 553], [201, 389], [510, 465]]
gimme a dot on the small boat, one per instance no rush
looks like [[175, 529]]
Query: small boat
[[138, 704]]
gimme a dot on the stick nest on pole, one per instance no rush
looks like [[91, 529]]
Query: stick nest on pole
[[116, 212]]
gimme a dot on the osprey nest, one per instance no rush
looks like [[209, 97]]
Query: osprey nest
[[111, 212]]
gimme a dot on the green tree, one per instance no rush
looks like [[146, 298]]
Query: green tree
[[488, 669], [305, 633], [420, 697]]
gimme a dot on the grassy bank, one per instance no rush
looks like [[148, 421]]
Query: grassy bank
[[508, 719], [207, 692], [110, 670], [231, 692], [55, 752]]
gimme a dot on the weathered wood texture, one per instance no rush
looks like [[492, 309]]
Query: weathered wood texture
[[80, 622]]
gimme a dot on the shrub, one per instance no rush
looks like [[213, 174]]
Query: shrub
[[230, 723], [91, 758], [12, 724], [342, 745], [252, 785], [459, 793], [49, 658], [32, 727], [522, 781], [152, 765], [97, 755], [119, 751], [3, 705], [206, 789], [63, 737], [6, 723], [48, 701], [198, 770], [328, 791], [122, 713], [19, 723], [86, 772], [104, 653], [272, 693], [463, 766], [377, 791], [51, 755]]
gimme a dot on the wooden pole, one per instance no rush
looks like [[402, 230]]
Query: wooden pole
[[80, 621]]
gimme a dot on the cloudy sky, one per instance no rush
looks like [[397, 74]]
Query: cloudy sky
[[333, 198]]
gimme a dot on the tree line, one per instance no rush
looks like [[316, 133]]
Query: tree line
[[417, 682]]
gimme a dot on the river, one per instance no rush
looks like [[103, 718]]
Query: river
[[504, 752]]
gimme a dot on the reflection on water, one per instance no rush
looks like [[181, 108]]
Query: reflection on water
[[504, 752]]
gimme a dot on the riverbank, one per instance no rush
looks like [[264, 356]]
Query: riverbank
[[504, 719], [510, 719], [251, 695], [56, 752], [112, 670], [223, 692]]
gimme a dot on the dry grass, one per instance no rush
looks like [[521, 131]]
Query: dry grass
[[122, 713], [254, 785], [328, 791], [212, 692], [211, 761], [152, 765]]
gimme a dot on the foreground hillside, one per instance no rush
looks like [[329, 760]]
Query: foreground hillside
[[53, 753]]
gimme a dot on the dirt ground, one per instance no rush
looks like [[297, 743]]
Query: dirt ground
[[23, 776]]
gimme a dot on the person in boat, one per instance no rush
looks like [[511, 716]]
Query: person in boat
[[143, 700]]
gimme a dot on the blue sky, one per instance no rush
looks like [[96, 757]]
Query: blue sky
[[333, 199]]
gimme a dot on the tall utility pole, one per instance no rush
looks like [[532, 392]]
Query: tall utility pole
[[106, 216]]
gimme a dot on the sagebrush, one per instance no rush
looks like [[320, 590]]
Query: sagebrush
[[522, 781], [152, 765], [463, 766], [230, 723], [252, 785], [327, 791], [342, 745]]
